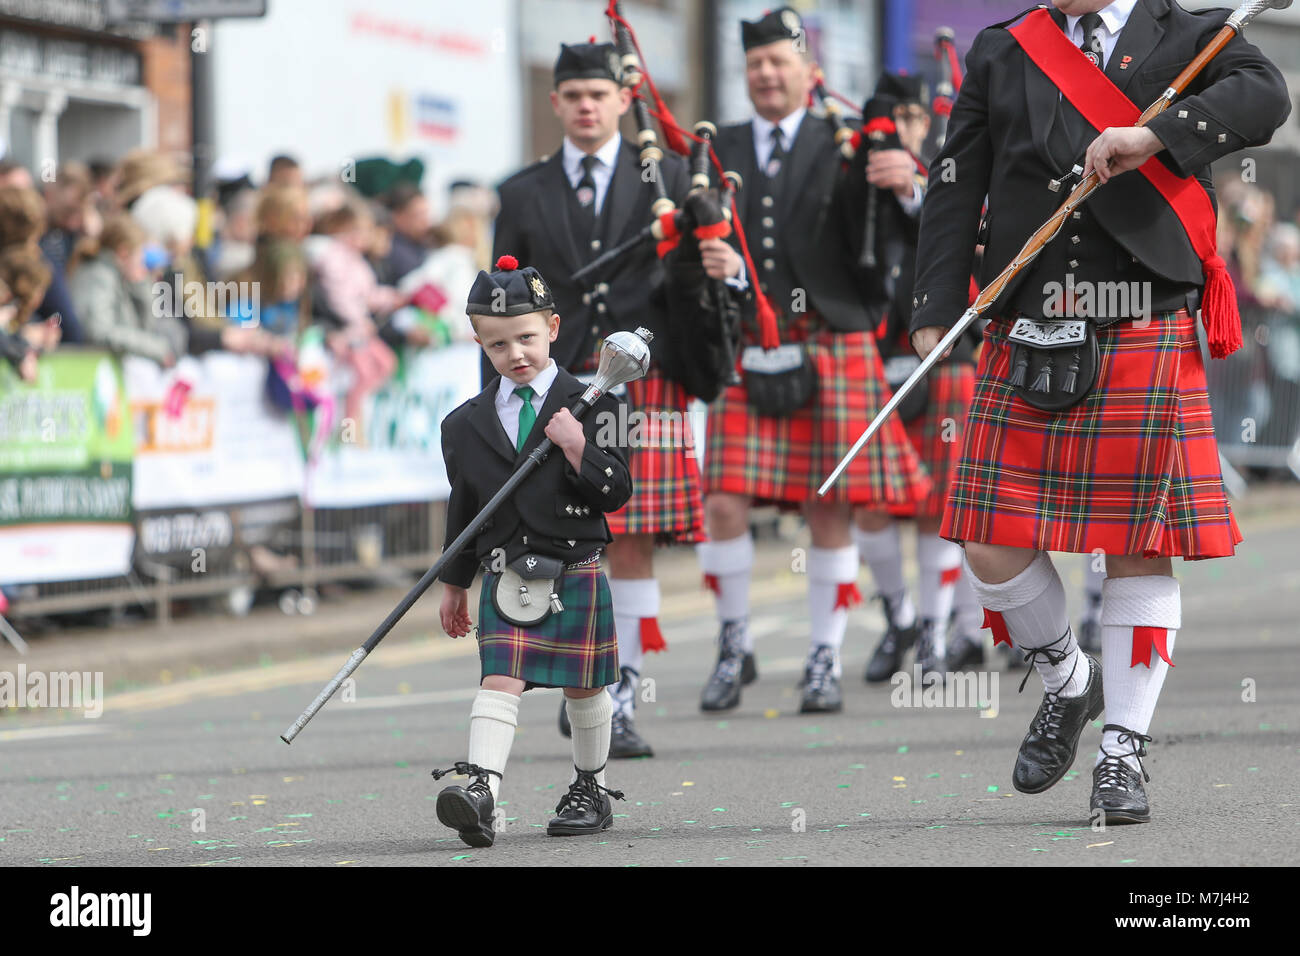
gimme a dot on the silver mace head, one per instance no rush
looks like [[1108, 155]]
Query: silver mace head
[[1251, 9], [625, 356]]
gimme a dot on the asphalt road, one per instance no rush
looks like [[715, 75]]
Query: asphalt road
[[194, 774]]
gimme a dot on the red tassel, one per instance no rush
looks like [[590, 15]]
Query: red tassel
[[719, 230], [668, 225], [942, 106], [1219, 312], [667, 246], [993, 620], [507, 263], [949, 576], [881, 124], [855, 140], [1145, 638], [847, 595], [711, 582], [652, 639]]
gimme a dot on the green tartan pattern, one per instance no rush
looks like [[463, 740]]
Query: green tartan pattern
[[575, 648]]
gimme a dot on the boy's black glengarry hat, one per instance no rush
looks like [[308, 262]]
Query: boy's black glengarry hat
[[509, 291], [588, 61], [906, 88], [782, 23]]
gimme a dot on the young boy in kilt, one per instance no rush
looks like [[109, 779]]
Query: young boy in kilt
[[558, 513], [1129, 465]]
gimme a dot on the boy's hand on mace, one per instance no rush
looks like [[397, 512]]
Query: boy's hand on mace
[[564, 430]]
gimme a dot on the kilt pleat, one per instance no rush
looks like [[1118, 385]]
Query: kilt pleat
[[785, 460], [1132, 469], [936, 434], [574, 648], [666, 499]]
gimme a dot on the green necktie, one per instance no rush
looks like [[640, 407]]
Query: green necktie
[[527, 415]]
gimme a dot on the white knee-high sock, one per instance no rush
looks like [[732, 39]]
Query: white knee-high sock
[[590, 718], [832, 589], [882, 552], [492, 721], [970, 615], [1032, 605], [728, 566], [633, 600], [940, 562], [1132, 689]]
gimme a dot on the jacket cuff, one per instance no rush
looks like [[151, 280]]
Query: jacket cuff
[[938, 305], [603, 480], [460, 570], [1192, 137]]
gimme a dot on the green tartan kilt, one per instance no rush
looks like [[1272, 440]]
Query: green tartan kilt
[[575, 648]]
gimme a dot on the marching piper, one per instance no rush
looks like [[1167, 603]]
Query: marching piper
[[771, 437], [545, 613], [559, 214], [1094, 434]]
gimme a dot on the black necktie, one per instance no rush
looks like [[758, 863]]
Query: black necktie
[[776, 157], [1075, 127], [587, 188]]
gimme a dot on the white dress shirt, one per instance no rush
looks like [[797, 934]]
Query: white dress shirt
[[509, 404], [1113, 19], [763, 135], [602, 172]]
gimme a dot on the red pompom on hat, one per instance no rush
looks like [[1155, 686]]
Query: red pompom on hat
[[507, 264]]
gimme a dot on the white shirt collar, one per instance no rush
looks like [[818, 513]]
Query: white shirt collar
[[541, 384], [1114, 17], [607, 154], [789, 127]]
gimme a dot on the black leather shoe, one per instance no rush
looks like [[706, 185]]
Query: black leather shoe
[[1048, 749], [585, 808], [468, 810], [565, 729], [624, 741], [821, 688], [888, 655], [748, 670], [926, 656], [965, 654], [722, 692], [1117, 788]]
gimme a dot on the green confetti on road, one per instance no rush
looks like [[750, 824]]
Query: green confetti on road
[[993, 788], [719, 809], [465, 856], [402, 763], [1037, 850], [903, 749], [1128, 861], [298, 816]]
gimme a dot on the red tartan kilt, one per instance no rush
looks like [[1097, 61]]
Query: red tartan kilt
[[785, 460], [936, 434], [666, 500], [1132, 469]]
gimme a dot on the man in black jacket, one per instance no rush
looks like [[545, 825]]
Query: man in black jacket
[[803, 206], [558, 215], [1057, 456]]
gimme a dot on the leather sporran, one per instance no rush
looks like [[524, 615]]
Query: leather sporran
[[1054, 362], [528, 590], [780, 381]]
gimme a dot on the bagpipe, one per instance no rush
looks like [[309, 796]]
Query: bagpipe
[[701, 354]]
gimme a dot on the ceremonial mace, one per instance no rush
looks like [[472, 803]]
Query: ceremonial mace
[[1048, 230], [625, 356]]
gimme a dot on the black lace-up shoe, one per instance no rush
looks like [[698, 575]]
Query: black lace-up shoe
[[748, 669], [468, 810], [1048, 749], [965, 653], [1117, 788], [585, 808], [926, 656], [888, 655], [722, 692], [821, 688], [624, 741]]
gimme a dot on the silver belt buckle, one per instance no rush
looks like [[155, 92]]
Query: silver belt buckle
[[1049, 333]]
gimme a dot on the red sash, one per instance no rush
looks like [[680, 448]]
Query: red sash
[[1103, 104]]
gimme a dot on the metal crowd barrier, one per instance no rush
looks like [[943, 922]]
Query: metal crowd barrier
[[376, 543], [1255, 394]]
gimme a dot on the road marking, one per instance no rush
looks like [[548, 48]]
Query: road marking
[[43, 733]]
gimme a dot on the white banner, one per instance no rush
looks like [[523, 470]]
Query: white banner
[[227, 446], [397, 455]]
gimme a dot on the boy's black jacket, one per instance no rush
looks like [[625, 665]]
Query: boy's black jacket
[[556, 511]]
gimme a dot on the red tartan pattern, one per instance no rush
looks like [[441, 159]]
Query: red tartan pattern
[[785, 460], [952, 386], [666, 499], [1132, 469]]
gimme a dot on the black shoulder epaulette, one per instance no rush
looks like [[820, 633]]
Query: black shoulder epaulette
[[1010, 20]]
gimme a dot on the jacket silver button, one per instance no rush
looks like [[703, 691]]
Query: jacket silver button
[[768, 222], [604, 489], [769, 264], [609, 472], [1075, 240], [1182, 114], [769, 242], [568, 509], [1223, 137], [767, 202], [1074, 263], [1200, 126], [602, 288], [1076, 214]]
